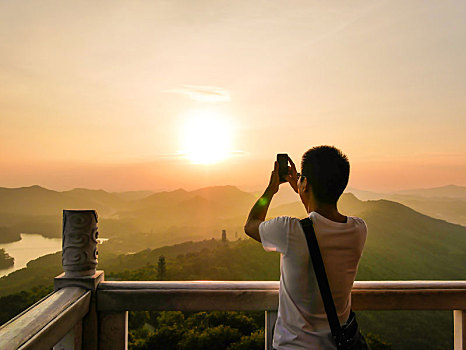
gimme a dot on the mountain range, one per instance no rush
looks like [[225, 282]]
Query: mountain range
[[158, 218], [446, 202], [172, 217]]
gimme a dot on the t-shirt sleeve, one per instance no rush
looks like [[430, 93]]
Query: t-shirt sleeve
[[274, 234]]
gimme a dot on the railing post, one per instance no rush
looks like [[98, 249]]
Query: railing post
[[113, 332], [459, 321], [79, 259], [270, 318]]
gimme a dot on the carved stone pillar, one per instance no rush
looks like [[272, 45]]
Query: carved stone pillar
[[79, 259], [79, 243]]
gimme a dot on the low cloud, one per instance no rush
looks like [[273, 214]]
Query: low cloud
[[202, 93]]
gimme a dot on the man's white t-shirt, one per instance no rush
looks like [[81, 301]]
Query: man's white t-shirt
[[302, 321]]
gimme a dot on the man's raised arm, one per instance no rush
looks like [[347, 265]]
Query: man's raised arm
[[259, 210], [257, 215]]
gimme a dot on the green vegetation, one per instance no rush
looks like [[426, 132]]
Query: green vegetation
[[12, 305], [196, 331], [5, 260], [206, 330], [243, 260], [39, 272]]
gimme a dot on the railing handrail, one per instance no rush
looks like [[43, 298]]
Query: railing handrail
[[257, 295], [192, 285], [49, 320], [46, 322], [273, 285]]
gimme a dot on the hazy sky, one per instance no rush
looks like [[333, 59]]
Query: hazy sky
[[97, 93]]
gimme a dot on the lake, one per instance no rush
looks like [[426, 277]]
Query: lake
[[30, 247]]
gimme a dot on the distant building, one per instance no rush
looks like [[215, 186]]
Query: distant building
[[224, 235]]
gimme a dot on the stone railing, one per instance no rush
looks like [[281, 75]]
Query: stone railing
[[115, 299], [86, 312]]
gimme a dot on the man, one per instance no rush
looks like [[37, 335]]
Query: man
[[302, 321]]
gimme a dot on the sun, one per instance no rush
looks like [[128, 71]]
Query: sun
[[206, 137]]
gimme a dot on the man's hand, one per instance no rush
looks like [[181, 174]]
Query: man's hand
[[292, 176], [274, 182]]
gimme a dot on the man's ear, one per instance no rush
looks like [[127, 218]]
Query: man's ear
[[304, 184]]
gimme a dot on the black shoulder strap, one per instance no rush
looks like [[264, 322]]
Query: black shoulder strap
[[321, 276]]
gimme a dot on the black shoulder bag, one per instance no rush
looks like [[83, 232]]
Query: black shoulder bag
[[348, 336]]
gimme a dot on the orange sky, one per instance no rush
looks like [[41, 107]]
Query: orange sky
[[96, 94]]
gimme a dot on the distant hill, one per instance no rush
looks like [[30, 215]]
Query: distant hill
[[105, 202], [36, 209], [194, 214], [8, 235], [446, 202], [133, 195], [365, 195], [448, 191], [165, 198], [37, 201], [205, 207]]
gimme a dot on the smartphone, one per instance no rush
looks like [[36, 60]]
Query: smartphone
[[282, 159]]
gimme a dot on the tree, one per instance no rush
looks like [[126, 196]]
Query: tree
[[161, 268]]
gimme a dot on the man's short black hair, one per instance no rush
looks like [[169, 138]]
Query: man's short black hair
[[327, 171]]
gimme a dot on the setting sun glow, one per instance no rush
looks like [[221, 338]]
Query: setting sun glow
[[206, 137]]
